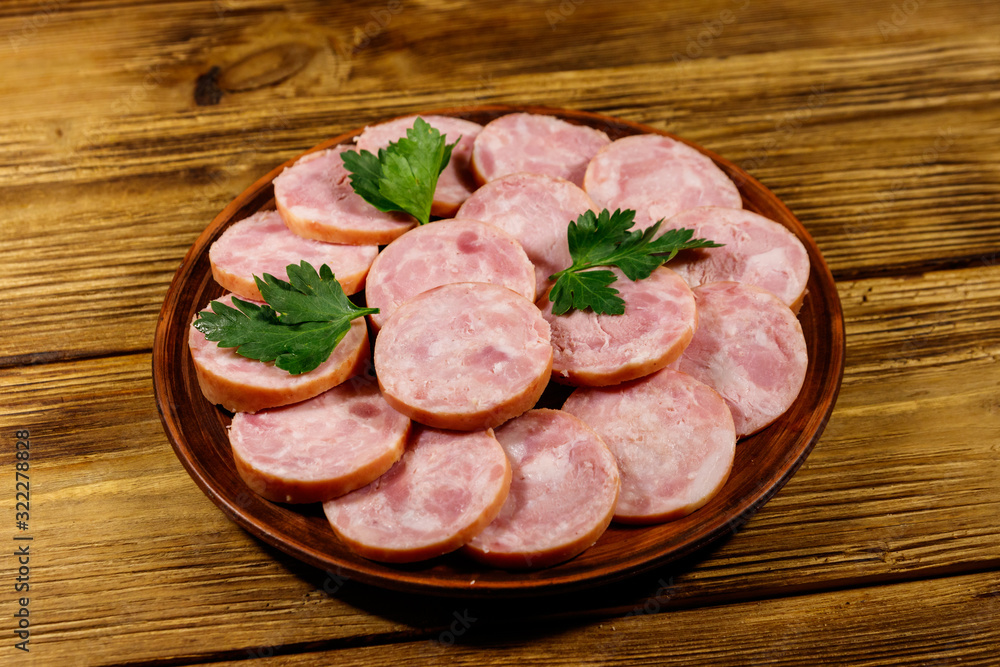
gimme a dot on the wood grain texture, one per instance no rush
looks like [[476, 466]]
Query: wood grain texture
[[860, 144], [923, 506], [876, 121], [949, 621]]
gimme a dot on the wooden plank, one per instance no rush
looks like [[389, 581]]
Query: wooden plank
[[936, 622], [147, 190], [904, 484]]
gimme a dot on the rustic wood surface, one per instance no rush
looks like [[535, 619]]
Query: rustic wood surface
[[876, 121]]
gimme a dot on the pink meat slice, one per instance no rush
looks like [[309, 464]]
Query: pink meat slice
[[756, 251], [750, 348], [563, 489], [263, 244], [598, 350], [673, 438], [321, 448], [535, 143], [447, 251], [464, 356], [657, 177], [456, 182], [444, 490], [536, 210], [315, 198], [245, 385]]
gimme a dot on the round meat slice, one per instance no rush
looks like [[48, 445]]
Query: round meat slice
[[536, 210], [321, 448], [658, 177], [749, 347], [597, 350], [245, 385], [447, 251], [672, 436], [464, 356], [537, 144], [563, 489], [456, 182], [445, 489], [315, 198], [756, 251], [263, 244]]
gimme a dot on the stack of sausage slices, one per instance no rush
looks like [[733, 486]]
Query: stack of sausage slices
[[445, 451]]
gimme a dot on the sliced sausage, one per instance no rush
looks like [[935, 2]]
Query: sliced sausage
[[756, 251], [447, 251], [536, 210], [535, 143], [444, 490], [464, 356], [658, 177], [245, 385], [456, 182], [316, 200], [748, 347], [673, 438], [321, 448], [263, 244], [596, 350], [563, 489]]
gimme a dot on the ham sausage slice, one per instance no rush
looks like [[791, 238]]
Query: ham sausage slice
[[444, 490], [563, 489], [447, 251], [536, 210], [749, 347], [245, 385], [597, 350], [456, 182], [756, 251], [464, 356], [658, 177], [537, 144], [315, 198], [263, 244], [673, 438], [320, 448]]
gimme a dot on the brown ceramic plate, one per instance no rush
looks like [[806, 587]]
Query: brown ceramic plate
[[764, 462]]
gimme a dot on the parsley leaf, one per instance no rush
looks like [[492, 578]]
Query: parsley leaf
[[605, 239], [404, 175], [586, 289], [302, 322]]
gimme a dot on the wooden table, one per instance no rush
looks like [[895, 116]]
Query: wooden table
[[876, 121]]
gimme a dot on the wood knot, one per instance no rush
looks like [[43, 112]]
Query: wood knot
[[206, 88], [266, 67]]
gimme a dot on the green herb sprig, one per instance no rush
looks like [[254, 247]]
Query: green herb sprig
[[403, 176], [302, 322], [601, 240]]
